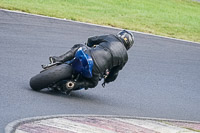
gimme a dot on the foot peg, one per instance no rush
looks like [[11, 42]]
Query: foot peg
[[48, 65], [52, 63]]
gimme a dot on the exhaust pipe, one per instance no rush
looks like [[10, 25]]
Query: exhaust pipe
[[70, 85]]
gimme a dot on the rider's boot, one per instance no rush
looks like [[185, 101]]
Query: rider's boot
[[65, 57], [54, 59]]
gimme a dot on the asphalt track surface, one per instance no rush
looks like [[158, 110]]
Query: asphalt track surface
[[161, 78]]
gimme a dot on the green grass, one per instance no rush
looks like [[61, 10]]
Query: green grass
[[172, 18]]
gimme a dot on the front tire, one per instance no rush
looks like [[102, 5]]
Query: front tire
[[50, 76]]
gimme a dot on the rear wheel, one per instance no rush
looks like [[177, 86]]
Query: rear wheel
[[50, 76]]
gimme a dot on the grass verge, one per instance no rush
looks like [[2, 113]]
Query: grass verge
[[172, 18]]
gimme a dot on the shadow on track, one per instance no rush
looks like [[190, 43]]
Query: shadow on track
[[76, 95]]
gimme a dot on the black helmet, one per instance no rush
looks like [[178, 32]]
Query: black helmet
[[127, 38]]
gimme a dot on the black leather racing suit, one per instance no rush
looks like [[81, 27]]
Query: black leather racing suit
[[109, 53]]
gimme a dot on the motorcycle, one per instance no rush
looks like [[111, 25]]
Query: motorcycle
[[63, 76]]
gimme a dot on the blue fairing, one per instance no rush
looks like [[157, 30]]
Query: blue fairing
[[83, 63]]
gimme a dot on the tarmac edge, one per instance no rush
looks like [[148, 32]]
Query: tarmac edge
[[103, 26]]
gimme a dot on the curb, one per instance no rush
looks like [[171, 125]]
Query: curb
[[100, 123]]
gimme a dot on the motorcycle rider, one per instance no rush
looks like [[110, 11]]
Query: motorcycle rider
[[109, 54]]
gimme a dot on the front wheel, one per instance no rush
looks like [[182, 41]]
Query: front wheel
[[50, 76]]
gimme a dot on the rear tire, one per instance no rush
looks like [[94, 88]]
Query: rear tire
[[50, 76]]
